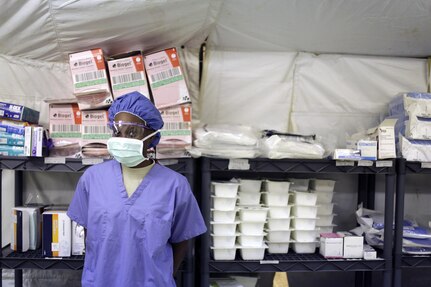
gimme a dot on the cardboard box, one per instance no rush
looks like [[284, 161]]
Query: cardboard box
[[90, 80], [10, 150], [36, 141], [353, 246], [346, 154], [20, 236], [65, 123], [369, 253], [368, 149], [78, 239], [95, 133], [34, 232], [56, 234], [331, 245], [386, 139], [28, 136], [176, 134], [127, 74], [18, 113], [11, 139], [166, 79]]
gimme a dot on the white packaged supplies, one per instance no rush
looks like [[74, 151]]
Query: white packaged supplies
[[325, 220], [304, 247], [303, 198], [278, 147], [224, 203], [251, 240], [250, 185], [278, 235], [223, 241], [223, 228], [225, 189], [304, 211], [248, 213], [304, 235], [325, 209], [78, 239], [326, 185], [323, 196], [278, 247], [251, 227], [299, 184], [278, 223], [276, 185], [223, 216], [418, 104], [221, 253], [223, 134], [304, 223], [275, 198], [279, 211], [248, 198], [415, 150], [418, 128]]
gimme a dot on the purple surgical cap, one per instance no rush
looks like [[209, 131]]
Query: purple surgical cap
[[138, 105]]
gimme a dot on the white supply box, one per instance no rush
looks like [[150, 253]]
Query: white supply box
[[127, 74], [166, 79], [56, 238], [95, 133], [78, 239], [176, 135], [353, 246], [385, 133], [90, 81], [65, 122], [331, 245], [368, 149]]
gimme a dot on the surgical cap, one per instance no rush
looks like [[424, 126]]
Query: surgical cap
[[138, 105]]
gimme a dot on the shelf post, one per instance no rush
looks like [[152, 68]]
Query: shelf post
[[399, 218], [388, 232]]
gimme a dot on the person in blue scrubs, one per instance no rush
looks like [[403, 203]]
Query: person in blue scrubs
[[138, 215]]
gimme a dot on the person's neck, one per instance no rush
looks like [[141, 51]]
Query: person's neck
[[145, 163]]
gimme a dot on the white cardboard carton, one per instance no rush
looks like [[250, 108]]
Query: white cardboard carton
[[56, 238], [95, 133], [166, 79], [331, 245], [176, 134], [78, 239], [127, 74]]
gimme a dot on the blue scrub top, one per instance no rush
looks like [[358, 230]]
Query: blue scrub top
[[129, 238]]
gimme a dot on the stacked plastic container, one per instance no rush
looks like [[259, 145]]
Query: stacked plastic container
[[223, 219], [252, 218], [324, 189], [304, 219], [276, 199]]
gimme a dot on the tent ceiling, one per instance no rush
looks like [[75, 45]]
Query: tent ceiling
[[50, 29]]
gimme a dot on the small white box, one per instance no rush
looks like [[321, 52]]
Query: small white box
[[250, 185], [331, 245], [369, 253], [225, 189], [56, 235], [78, 239], [386, 139], [253, 253], [221, 253], [249, 198], [368, 149], [353, 246]]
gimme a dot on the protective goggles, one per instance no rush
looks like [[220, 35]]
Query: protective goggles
[[128, 129]]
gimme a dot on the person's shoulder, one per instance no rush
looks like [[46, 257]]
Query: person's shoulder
[[170, 174]]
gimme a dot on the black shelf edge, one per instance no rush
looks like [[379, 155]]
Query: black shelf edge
[[414, 167], [293, 262], [301, 166], [415, 261], [180, 165]]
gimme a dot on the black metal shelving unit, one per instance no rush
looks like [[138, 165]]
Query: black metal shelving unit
[[401, 261], [33, 259], [265, 168]]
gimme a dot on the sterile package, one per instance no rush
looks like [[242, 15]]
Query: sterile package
[[18, 113], [176, 134], [413, 103], [56, 235], [346, 154], [415, 150], [279, 146], [418, 128], [166, 79], [127, 74], [233, 151], [417, 250], [65, 123], [20, 234], [211, 135], [95, 134], [78, 239]]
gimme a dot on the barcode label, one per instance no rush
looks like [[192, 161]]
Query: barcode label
[[177, 126], [66, 128], [166, 74], [96, 130], [127, 78], [90, 76]]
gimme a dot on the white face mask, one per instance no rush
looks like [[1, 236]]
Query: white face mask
[[128, 151]]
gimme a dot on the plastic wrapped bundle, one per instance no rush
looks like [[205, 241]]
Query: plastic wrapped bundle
[[280, 146], [418, 104], [415, 150]]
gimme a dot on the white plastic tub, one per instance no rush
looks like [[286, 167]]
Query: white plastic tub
[[224, 203], [304, 223], [304, 211], [225, 189], [252, 253], [275, 198], [278, 223], [278, 247], [249, 198], [326, 229], [251, 227], [325, 209], [303, 198], [224, 241], [325, 220], [299, 184], [279, 211], [278, 235], [253, 213], [322, 184], [224, 228], [251, 240], [220, 253], [323, 196], [304, 235], [277, 186], [304, 247], [250, 185], [223, 216]]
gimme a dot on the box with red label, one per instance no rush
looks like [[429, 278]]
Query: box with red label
[[166, 79], [65, 129], [90, 81], [176, 134], [95, 134], [127, 74]]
